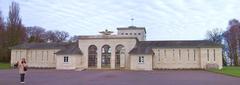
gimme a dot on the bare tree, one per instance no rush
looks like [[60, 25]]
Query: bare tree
[[50, 36], [232, 37], [2, 39], [74, 38], [61, 36], [227, 46], [56, 36], [2, 30], [15, 32], [216, 36], [35, 34], [233, 22]]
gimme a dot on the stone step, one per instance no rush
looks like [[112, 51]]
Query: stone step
[[80, 69]]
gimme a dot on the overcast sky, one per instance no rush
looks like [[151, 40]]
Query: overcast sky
[[163, 19]]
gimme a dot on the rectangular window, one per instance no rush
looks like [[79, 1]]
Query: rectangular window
[[130, 33], [54, 55], [188, 54], [16, 54], [20, 54], [165, 53], [194, 55], [135, 33], [122, 33], [31, 56], [159, 57], [141, 59], [126, 33], [173, 55], [35, 55], [214, 55], [47, 55], [139, 33], [173, 52], [208, 54], [179, 54], [42, 55], [65, 59]]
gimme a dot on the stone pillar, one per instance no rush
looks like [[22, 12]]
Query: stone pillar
[[99, 60], [122, 58], [85, 58], [112, 61]]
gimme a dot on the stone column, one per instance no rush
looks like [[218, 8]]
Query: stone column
[[122, 58], [112, 61], [85, 58], [99, 60]]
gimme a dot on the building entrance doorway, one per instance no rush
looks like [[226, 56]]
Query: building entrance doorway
[[92, 56], [106, 56]]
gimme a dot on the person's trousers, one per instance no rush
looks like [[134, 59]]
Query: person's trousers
[[22, 77]]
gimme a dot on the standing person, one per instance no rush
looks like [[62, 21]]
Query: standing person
[[22, 66]]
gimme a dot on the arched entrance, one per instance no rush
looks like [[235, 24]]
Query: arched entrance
[[106, 56], [119, 52], [92, 56]]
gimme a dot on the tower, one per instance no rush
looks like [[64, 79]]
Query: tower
[[133, 31]]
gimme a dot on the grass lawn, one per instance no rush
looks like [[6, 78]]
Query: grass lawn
[[4, 65], [232, 71]]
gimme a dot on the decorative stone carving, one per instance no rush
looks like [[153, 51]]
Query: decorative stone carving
[[106, 32]]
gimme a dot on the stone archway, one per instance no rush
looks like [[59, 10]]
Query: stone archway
[[118, 54], [92, 56], [106, 56]]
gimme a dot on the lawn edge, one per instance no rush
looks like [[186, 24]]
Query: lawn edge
[[222, 73]]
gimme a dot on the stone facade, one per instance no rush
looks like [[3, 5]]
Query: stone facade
[[146, 64], [131, 31], [39, 58], [74, 62], [186, 58], [126, 50], [127, 42]]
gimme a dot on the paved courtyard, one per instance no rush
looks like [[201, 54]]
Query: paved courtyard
[[114, 77]]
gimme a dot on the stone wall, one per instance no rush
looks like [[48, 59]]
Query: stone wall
[[176, 58], [146, 65], [17, 54], [38, 58], [73, 62], [207, 57], [186, 58], [163, 58]]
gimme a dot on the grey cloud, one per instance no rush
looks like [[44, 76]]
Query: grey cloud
[[172, 19]]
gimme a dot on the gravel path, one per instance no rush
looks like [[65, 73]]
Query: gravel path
[[115, 77]]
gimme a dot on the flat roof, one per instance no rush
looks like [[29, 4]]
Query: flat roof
[[105, 37], [132, 28]]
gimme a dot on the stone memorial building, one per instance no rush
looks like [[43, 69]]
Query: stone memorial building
[[127, 49]]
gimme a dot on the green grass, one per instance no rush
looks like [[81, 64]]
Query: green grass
[[231, 71], [5, 65]]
